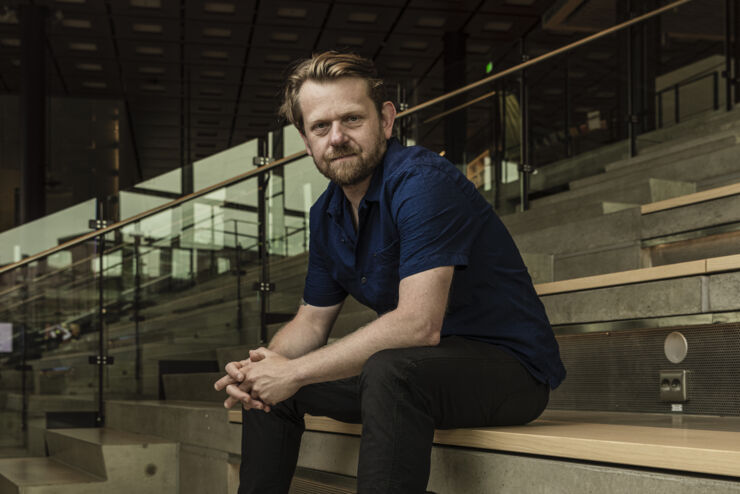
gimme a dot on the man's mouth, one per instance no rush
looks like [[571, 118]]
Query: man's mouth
[[337, 158]]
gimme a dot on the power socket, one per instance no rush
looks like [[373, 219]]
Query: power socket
[[673, 386]]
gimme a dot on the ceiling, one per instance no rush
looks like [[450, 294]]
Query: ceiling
[[199, 76]]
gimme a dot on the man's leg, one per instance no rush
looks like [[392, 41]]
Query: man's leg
[[407, 393], [270, 441]]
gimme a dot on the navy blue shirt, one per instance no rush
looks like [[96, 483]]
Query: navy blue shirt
[[419, 213]]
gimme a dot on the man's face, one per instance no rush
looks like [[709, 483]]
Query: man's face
[[343, 130]]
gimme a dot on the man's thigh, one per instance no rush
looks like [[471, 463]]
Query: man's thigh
[[467, 383], [339, 400]]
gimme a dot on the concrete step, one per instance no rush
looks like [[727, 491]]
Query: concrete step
[[193, 387], [670, 152], [210, 446], [46, 476], [702, 297], [630, 189], [538, 218]]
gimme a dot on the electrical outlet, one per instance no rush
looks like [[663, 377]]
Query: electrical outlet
[[673, 386]]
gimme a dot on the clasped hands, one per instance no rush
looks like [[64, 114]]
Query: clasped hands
[[264, 379]]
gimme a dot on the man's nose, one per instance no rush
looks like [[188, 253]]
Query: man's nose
[[337, 135]]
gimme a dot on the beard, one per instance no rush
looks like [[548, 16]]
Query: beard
[[347, 165]]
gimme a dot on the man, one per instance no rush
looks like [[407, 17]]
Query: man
[[461, 339]]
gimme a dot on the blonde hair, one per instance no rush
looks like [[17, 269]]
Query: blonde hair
[[329, 66]]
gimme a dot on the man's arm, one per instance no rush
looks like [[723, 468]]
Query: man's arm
[[307, 331], [417, 321]]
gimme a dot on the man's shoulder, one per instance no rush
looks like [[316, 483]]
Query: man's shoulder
[[405, 162]]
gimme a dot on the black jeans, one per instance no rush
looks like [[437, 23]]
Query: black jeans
[[400, 397]]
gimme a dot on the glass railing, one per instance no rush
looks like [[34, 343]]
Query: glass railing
[[106, 314]]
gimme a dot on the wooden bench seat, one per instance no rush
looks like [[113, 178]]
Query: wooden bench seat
[[666, 272], [686, 443], [688, 199]]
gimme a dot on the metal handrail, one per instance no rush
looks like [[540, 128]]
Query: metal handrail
[[301, 154]]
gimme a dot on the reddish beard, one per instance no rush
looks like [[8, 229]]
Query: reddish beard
[[355, 167]]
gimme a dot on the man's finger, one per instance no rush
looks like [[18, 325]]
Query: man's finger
[[223, 382], [256, 355], [234, 369]]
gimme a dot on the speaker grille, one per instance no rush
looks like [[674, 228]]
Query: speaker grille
[[619, 371]]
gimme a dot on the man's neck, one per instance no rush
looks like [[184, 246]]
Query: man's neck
[[355, 193]]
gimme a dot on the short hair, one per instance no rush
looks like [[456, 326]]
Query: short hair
[[329, 66]]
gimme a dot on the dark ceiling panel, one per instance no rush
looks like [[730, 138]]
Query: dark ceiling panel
[[365, 43], [211, 107], [220, 10], [293, 13], [146, 8], [217, 33], [522, 8], [214, 54], [151, 70], [430, 22], [213, 91], [105, 69], [451, 5], [147, 29], [229, 75], [86, 6], [200, 121], [149, 51], [282, 37], [81, 47], [264, 77], [276, 59], [76, 23], [362, 18], [153, 88], [412, 46]]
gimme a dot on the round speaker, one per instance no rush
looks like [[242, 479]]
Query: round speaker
[[676, 347]]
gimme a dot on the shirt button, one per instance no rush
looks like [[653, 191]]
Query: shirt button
[[363, 280], [343, 240]]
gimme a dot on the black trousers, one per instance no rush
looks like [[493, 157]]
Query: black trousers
[[400, 397]]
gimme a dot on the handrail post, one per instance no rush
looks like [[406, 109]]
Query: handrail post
[[729, 80], [525, 166], [100, 417], [137, 316], [631, 118], [566, 95], [24, 357], [715, 86], [677, 104], [238, 272], [264, 283]]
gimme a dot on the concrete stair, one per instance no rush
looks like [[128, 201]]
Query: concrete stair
[[85, 461]]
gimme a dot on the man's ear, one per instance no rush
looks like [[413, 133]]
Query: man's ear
[[305, 143], [387, 117]]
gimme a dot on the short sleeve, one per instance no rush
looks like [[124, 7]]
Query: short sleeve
[[321, 289], [437, 220]]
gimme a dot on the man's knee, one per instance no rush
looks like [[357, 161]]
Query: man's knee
[[386, 367]]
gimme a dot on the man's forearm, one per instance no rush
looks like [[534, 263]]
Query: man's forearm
[[345, 357], [293, 340]]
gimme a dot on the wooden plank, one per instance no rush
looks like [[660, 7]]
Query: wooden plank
[[688, 199], [715, 452], [701, 451], [668, 271], [726, 263]]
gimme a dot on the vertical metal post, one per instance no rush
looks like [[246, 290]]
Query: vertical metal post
[[24, 355], [33, 111], [676, 104], [631, 119], [736, 47], [525, 166], [660, 110], [238, 269], [262, 242], [566, 93], [136, 315], [728, 55], [100, 418], [715, 91]]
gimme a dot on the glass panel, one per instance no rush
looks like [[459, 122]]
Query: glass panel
[[224, 165], [47, 232]]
